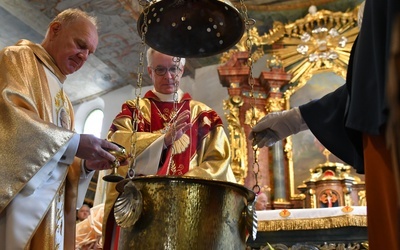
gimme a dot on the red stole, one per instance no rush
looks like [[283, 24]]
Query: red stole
[[161, 115]]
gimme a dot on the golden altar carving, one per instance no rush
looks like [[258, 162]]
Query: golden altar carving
[[291, 54], [331, 184]]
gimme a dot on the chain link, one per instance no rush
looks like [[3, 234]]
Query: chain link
[[177, 62], [256, 170], [249, 22], [138, 89]]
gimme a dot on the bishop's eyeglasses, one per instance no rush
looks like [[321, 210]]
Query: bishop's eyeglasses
[[160, 70]]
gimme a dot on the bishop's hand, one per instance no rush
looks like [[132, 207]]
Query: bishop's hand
[[178, 128]]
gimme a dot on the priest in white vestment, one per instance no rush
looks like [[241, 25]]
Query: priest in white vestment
[[39, 190]]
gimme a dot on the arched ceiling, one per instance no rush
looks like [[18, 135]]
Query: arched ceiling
[[115, 63]]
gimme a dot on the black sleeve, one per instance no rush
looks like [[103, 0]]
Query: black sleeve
[[325, 118]]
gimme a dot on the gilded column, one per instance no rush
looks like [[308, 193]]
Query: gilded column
[[279, 173], [274, 80]]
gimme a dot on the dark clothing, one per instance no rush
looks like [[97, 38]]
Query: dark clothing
[[325, 119], [339, 119]]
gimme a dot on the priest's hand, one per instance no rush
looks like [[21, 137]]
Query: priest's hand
[[101, 164], [92, 148], [178, 128], [277, 126]]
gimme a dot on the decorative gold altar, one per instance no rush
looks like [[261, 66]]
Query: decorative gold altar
[[309, 219], [332, 185], [328, 228], [291, 55], [327, 211]]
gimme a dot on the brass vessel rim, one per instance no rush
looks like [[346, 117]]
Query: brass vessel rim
[[250, 195]]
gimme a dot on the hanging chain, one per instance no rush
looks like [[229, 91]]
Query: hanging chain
[[256, 170], [138, 89], [177, 62], [249, 22]]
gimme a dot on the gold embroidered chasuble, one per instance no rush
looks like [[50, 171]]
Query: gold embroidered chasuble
[[30, 138], [203, 151]]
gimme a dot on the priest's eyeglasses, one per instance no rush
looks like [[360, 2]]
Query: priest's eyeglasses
[[160, 70]]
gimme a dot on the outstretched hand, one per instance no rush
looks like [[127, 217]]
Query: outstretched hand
[[177, 129], [277, 126]]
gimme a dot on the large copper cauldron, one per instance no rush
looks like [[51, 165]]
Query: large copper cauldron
[[186, 213]]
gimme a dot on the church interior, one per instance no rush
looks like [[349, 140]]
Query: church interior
[[279, 55]]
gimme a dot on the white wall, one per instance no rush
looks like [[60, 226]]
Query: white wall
[[208, 89], [205, 88]]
